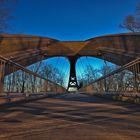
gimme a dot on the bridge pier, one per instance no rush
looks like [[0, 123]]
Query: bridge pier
[[72, 85]]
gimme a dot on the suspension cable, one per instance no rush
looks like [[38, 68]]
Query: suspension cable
[[65, 66], [80, 69], [57, 62], [39, 65], [89, 65], [65, 71], [80, 74]]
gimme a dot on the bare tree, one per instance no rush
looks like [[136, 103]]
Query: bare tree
[[51, 73], [129, 23], [5, 13], [91, 74], [132, 22]]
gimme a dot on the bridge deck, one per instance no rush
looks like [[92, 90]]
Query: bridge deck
[[71, 116]]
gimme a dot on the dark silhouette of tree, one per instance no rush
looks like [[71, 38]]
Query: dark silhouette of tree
[[6, 7], [132, 22]]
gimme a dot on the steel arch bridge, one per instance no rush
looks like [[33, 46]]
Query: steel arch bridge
[[30, 108], [26, 49]]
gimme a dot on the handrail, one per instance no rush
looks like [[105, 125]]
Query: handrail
[[20, 67], [124, 67]]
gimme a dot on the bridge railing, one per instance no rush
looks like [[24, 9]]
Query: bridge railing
[[14, 78], [124, 80]]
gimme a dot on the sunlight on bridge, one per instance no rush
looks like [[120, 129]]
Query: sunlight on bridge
[[71, 84], [64, 75]]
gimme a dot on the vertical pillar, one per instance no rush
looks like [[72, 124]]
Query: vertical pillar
[[2, 68], [72, 79], [135, 77]]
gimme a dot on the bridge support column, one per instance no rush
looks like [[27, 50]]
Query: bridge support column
[[2, 68], [72, 85]]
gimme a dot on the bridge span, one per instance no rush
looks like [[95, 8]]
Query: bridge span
[[70, 116]]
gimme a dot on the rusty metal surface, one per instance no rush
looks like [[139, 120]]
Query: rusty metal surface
[[25, 49]]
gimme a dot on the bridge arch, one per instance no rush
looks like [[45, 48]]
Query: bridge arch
[[26, 50]]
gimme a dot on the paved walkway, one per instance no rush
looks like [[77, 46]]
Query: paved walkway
[[70, 117]]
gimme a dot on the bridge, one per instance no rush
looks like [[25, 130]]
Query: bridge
[[38, 107]]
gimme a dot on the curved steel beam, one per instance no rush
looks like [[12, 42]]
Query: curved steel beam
[[26, 50]]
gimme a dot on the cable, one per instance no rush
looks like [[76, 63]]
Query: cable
[[89, 65], [80, 69]]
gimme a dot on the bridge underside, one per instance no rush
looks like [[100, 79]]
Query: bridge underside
[[26, 50]]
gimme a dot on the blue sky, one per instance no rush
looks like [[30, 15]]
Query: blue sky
[[71, 19], [62, 64]]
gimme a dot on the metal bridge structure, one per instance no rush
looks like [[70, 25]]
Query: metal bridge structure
[[35, 107], [19, 51]]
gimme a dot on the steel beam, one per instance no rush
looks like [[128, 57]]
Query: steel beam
[[72, 79]]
